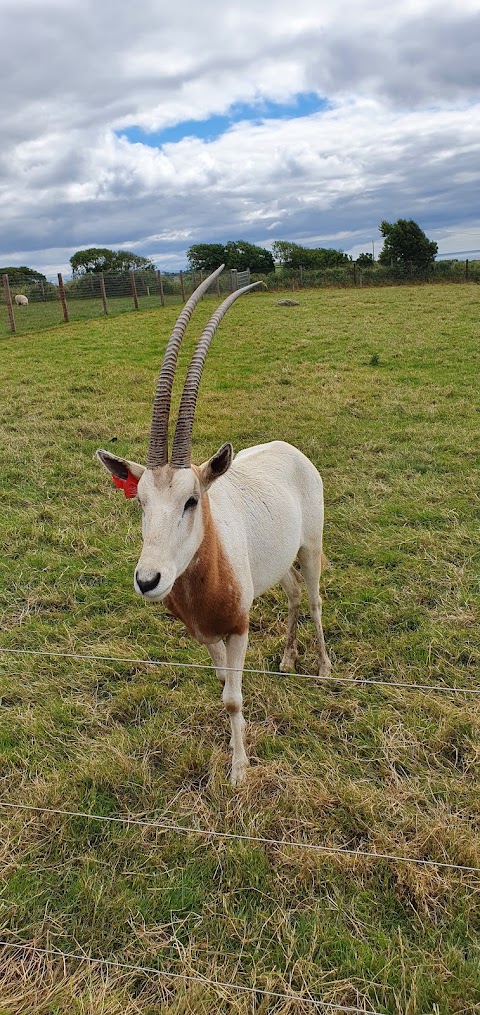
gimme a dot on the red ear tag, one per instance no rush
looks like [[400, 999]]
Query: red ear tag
[[128, 485]]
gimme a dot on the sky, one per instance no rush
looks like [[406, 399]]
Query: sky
[[150, 127]]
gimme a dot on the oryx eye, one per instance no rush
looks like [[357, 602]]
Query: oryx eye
[[191, 503]]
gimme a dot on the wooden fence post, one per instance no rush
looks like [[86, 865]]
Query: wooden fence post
[[201, 280], [8, 301], [466, 270], [301, 276], [133, 287], [103, 292], [354, 272], [182, 286], [160, 288], [217, 285], [61, 289]]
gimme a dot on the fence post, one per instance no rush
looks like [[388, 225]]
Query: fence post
[[217, 285], [182, 286], [63, 298], [103, 292], [201, 280], [354, 272], [466, 270], [8, 301], [160, 286], [134, 289], [301, 277]]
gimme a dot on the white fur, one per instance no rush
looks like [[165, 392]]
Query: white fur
[[267, 509], [21, 301]]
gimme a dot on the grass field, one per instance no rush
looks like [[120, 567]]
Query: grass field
[[380, 389], [40, 315]]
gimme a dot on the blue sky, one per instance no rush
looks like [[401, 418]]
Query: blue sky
[[213, 127]]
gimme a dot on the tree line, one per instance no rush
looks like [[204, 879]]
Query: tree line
[[405, 247]]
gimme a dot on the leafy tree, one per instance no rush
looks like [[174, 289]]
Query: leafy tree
[[328, 257], [30, 283], [90, 261], [406, 246], [124, 260], [242, 255], [206, 256], [365, 260], [97, 259], [292, 255], [23, 274], [282, 251], [235, 254]]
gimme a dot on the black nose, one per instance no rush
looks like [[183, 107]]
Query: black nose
[[146, 585]]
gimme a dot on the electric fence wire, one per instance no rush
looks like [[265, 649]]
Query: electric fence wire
[[326, 1006], [239, 836], [397, 684]]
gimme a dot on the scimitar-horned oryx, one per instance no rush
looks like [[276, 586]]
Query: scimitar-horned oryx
[[217, 535]]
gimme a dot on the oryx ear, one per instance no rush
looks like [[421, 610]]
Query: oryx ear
[[125, 474], [216, 466]]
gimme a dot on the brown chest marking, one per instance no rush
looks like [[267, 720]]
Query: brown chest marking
[[207, 597]]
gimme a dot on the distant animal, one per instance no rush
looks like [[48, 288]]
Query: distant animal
[[288, 303], [21, 301], [217, 535]]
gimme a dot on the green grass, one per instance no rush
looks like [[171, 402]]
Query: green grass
[[380, 389], [39, 315]]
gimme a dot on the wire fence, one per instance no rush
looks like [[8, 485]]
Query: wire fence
[[255, 991], [31, 302], [329, 1007], [219, 833], [181, 664], [258, 840]]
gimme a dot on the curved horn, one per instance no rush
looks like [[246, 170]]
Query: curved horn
[[183, 431], [158, 445]]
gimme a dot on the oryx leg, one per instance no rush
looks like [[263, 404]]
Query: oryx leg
[[218, 653], [292, 584], [311, 565], [232, 699]]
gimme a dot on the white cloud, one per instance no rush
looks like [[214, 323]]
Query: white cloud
[[402, 136]]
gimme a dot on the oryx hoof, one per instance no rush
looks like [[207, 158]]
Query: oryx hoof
[[239, 771], [288, 662]]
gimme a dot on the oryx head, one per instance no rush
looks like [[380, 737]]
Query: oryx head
[[170, 492]]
